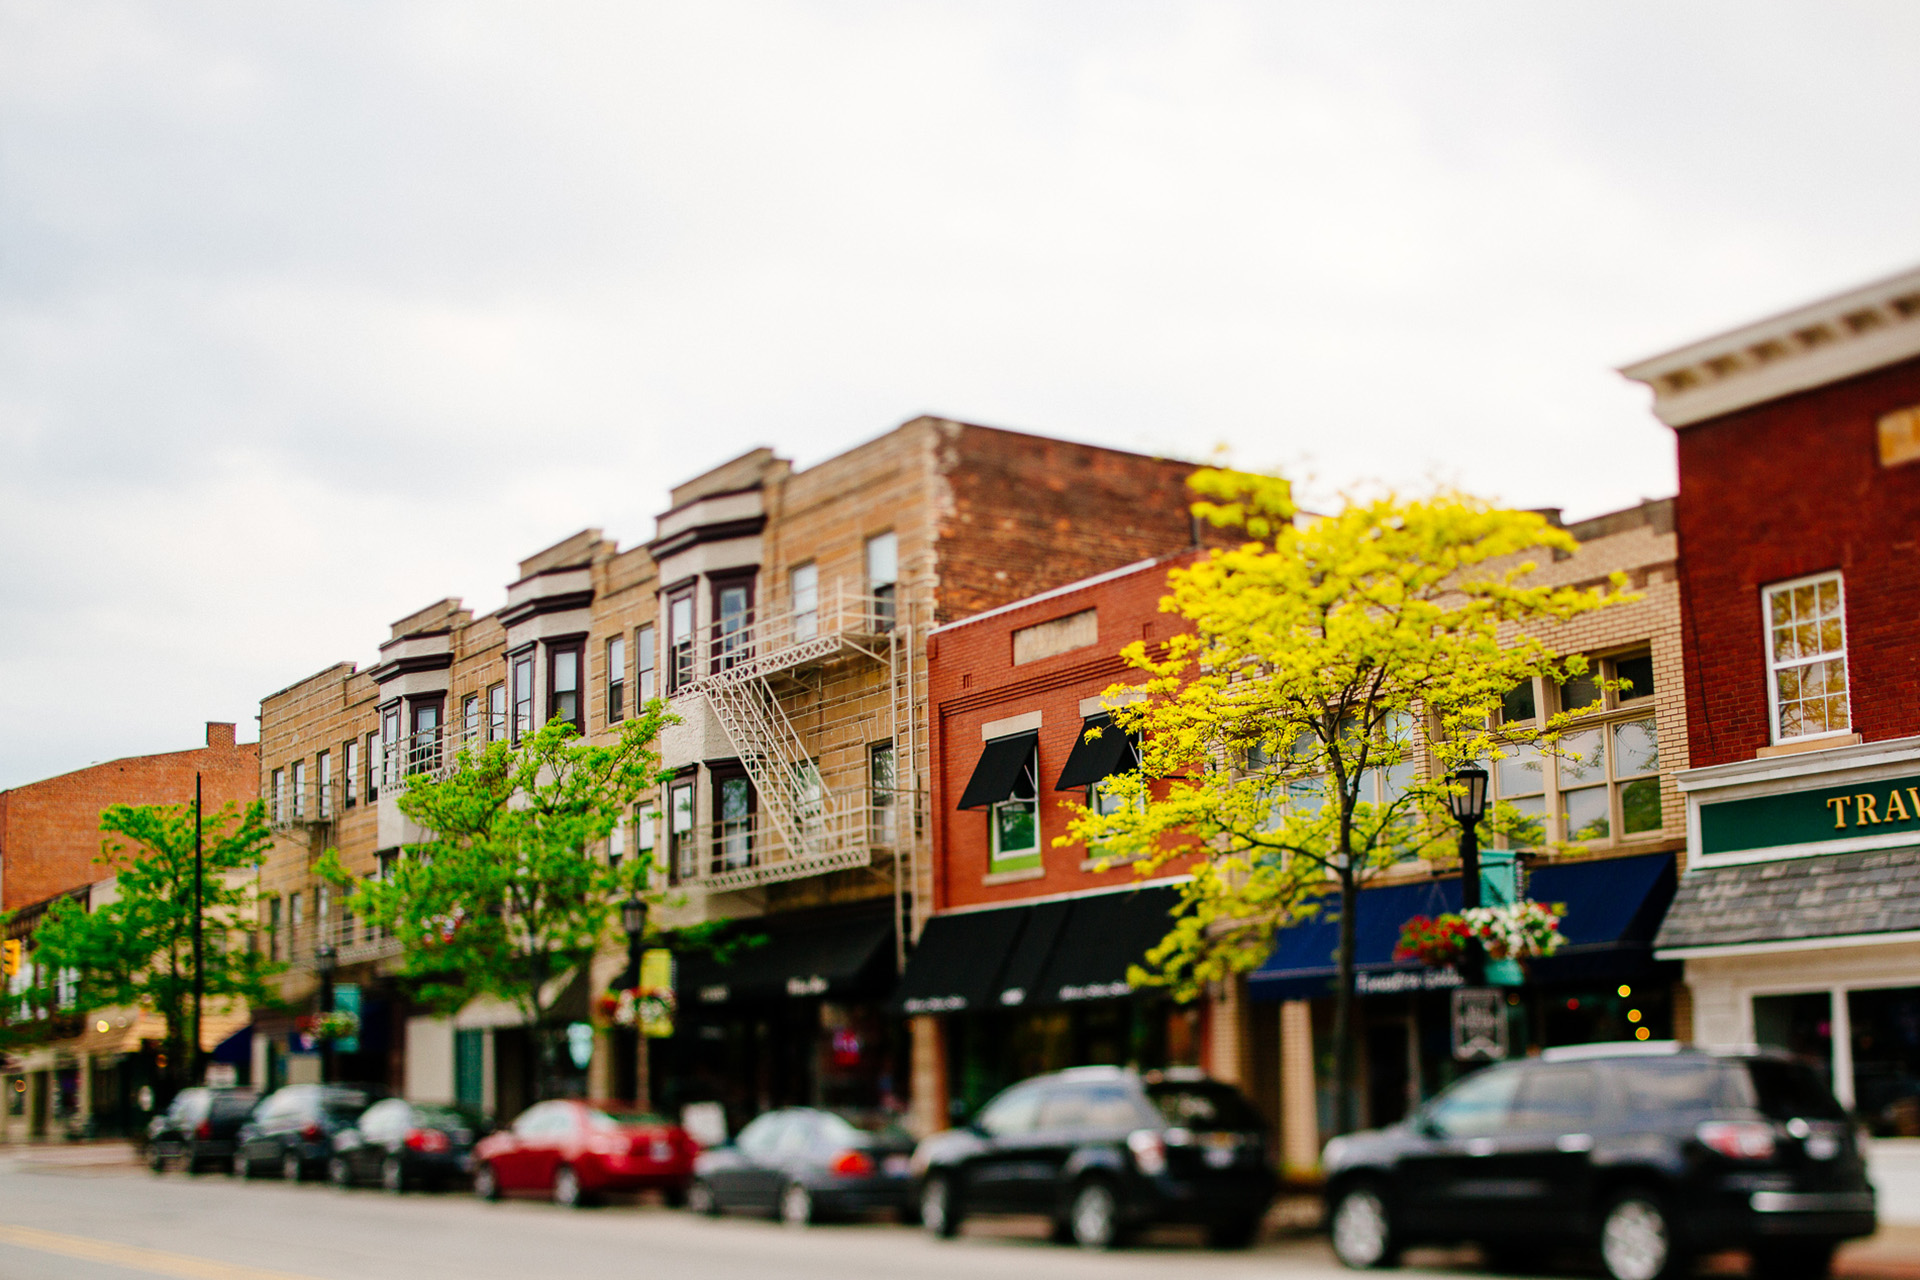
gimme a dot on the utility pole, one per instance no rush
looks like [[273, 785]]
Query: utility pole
[[199, 941]]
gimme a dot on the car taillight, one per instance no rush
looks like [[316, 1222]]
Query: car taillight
[[426, 1140], [311, 1133], [205, 1131], [1149, 1151], [1738, 1139], [854, 1164]]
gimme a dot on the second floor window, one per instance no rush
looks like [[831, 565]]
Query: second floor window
[[323, 782], [425, 753], [297, 786], [680, 641], [374, 767], [392, 746], [563, 685], [349, 773], [496, 712], [470, 720], [1806, 625], [1014, 823], [732, 616], [680, 842], [643, 660], [278, 802], [1604, 784], [616, 680], [880, 795], [273, 928]]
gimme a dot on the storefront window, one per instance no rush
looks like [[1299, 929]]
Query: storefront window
[[1801, 1023], [1016, 823], [1886, 1059]]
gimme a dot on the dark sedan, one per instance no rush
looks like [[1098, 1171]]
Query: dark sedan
[[1652, 1152], [198, 1128], [1103, 1151], [803, 1164], [402, 1144], [292, 1130]]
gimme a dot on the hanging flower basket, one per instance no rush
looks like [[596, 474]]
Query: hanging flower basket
[[338, 1025], [1434, 942], [643, 1006]]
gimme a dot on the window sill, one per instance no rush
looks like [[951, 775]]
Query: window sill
[[1014, 876], [1795, 746]]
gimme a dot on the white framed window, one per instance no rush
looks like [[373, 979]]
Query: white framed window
[[803, 590], [496, 712], [297, 786], [643, 657], [350, 773], [376, 764], [1806, 627], [616, 680], [1604, 782], [323, 782], [279, 803], [470, 720], [883, 577], [1015, 822]]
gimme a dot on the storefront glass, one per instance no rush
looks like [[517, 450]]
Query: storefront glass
[[1886, 1059]]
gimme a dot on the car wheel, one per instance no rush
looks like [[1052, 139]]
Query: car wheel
[[700, 1198], [236, 1165], [156, 1161], [292, 1167], [939, 1206], [1095, 1216], [567, 1190], [1362, 1229], [1794, 1260], [393, 1175], [1637, 1239], [339, 1173], [675, 1197], [796, 1206], [486, 1183]]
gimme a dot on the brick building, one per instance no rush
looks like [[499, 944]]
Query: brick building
[[86, 1078], [1023, 966], [1799, 916], [783, 613]]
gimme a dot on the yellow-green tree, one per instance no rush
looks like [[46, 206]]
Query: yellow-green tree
[[1298, 738]]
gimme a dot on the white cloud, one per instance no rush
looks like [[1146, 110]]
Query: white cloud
[[311, 314]]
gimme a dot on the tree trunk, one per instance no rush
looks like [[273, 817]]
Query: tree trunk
[[1345, 1059]]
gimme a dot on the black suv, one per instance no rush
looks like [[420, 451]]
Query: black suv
[[1654, 1152], [198, 1128], [1101, 1151], [292, 1130]]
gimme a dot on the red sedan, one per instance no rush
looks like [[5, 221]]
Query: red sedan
[[574, 1151]]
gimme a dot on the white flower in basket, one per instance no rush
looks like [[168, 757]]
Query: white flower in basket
[[1521, 931]]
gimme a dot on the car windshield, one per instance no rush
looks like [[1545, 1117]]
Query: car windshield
[[1204, 1105], [1784, 1090], [345, 1102]]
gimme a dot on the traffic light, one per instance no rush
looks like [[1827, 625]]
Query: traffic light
[[10, 957]]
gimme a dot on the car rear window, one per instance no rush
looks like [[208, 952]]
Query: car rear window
[[1204, 1106], [233, 1104], [1785, 1090]]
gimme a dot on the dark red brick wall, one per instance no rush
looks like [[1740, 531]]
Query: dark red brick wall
[[50, 830], [1779, 491], [971, 680], [1032, 513]]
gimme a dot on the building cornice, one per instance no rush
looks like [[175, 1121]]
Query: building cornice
[[1826, 341]]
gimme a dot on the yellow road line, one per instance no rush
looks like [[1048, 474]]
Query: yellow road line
[[152, 1261]]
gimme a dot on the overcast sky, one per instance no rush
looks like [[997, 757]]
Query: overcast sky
[[311, 314]]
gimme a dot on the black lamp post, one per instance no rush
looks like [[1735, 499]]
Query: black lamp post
[[324, 959], [1467, 802], [633, 918]]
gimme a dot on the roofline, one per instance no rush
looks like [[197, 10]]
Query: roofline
[[1138, 566]]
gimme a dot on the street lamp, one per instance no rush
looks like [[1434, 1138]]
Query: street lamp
[[633, 918], [1467, 802], [324, 960]]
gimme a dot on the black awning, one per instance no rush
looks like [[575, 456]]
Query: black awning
[[839, 953], [1002, 771], [1027, 962], [1095, 759], [957, 962], [1107, 933]]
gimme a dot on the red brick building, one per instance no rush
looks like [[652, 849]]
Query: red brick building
[[1799, 518], [1022, 967], [50, 830]]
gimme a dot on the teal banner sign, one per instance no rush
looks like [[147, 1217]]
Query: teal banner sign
[[346, 999], [1812, 817]]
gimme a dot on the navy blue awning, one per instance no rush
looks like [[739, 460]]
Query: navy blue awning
[[1614, 906]]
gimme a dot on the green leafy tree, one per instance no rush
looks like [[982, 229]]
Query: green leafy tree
[[510, 892], [137, 950], [1297, 740]]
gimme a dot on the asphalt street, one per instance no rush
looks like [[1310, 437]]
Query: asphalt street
[[113, 1221]]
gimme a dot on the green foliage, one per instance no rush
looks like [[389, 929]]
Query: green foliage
[[510, 891], [137, 950], [1323, 655]]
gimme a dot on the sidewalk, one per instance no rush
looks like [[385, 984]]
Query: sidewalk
[[105, 1152], [1892, 1253]]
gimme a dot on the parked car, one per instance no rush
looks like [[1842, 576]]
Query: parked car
[[402, 1144], [292, 1129], [1103, 1151], [198, 1128], [801, 1164], [577, 1151], [1654, 1152]]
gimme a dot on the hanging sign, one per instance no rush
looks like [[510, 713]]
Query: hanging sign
[[1479, 1024]]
